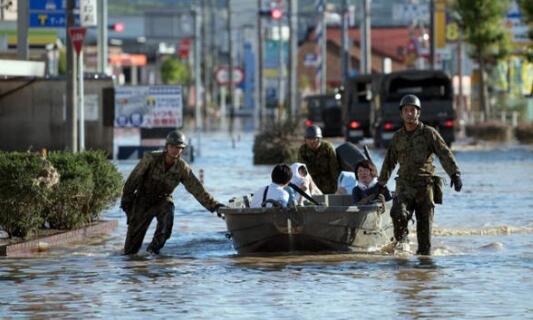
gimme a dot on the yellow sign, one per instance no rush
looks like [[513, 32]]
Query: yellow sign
[[440, 23], [35, 37]]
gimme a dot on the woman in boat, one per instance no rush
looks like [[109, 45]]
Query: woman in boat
[[302, 179], [366, 190], [274, 194]]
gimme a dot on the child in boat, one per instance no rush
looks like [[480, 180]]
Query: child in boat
[[346, 182], [275, 192], [366, 190], [302, 179]]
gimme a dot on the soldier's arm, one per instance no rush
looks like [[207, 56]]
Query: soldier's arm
[[444, 153], [391, 158], [196, 188], [134, 180]]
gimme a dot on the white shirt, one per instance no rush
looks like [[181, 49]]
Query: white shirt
[[275, 192], [347, 181]]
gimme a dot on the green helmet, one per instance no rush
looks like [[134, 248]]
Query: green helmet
[[313, 131], [411, 100], [177, 138]]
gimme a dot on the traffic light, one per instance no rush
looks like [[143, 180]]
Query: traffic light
[[116, 27], [276, 14]]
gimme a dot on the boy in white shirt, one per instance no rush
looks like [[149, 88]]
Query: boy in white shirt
[[281, 176]]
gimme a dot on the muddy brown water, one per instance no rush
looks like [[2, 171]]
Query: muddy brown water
[[481, 267]]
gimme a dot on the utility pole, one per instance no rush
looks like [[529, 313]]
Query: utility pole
[[22, 29], [197, 71], [260, 109], [321, 39], [281, 67], [293, 58], [230, 58], [205, 61], [72, 107], [460, 104], [102, 36], [432, 37], [345, 62], [366, 43]]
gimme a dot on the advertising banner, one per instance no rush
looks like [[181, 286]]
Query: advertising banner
[[148, 106]]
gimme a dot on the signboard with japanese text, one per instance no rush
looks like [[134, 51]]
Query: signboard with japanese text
[[148, 106], [51, 13], [88, 13]]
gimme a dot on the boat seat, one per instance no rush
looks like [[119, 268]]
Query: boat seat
[[335, 200]]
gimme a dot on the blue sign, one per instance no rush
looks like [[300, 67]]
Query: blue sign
[[50, 20], [50, 5], [51, 13]]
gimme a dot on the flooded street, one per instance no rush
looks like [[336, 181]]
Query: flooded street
[[481, 268]]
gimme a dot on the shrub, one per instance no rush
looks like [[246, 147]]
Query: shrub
[[69, 205], [275, 144], [107, 182], [25, 184], [491, 130], [524, 133]]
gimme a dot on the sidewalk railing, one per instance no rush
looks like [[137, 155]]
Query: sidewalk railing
[[508, 117]]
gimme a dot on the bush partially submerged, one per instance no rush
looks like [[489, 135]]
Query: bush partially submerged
[[26, 181], [524, 133], [276, 143], [67, 190], [490, 130]]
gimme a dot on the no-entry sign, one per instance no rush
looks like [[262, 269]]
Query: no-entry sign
[[77, 35]]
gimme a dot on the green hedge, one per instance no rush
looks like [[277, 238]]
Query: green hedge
[[88, 183], [276, 143], [524, 133], [490, 130]]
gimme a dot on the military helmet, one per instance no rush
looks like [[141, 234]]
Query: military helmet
[[411, 100], [177, 138], [313, 131]]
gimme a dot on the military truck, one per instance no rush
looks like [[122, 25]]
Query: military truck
[[434, 88], [325, 112], [358, 112]]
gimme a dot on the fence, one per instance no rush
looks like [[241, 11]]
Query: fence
[[512, 118]]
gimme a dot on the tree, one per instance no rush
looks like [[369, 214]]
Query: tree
[[526, 7], [174, 71], [484, 28]]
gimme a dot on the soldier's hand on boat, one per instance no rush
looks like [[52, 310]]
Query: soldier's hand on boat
[[456, 182], [217, 208], [382, 190]]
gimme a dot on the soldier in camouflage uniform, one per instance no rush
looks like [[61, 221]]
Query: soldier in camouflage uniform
[[320, 159], [148, 191], [412, 147]]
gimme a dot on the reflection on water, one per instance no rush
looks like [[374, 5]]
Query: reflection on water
[[481, 265]]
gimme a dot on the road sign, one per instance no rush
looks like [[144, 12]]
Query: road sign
[[222, 75], [50, 13], [77, 35], [88, 13]]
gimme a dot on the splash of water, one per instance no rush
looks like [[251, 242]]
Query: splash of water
[[484, 231]]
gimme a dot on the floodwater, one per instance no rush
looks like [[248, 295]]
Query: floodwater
[[481, 268]]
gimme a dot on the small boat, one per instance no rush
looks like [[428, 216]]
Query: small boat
[[335, 225]]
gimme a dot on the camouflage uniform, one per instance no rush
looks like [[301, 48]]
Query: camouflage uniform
[[148, 193], [322, 165], [413, 151]]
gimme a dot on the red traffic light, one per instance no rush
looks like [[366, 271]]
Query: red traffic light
[[117, 27], [276, 14]]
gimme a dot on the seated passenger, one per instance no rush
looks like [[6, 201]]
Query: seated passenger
[[275, 192], [302, 179], [366, 190], [346, 182]]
